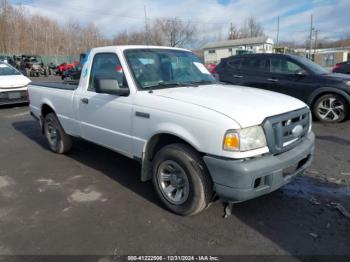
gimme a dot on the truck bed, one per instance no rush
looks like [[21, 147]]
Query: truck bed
[[60, 97], [58, 85]]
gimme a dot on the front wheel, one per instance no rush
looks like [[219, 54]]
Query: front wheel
[[59, 141], [331, 108], [181, 179]]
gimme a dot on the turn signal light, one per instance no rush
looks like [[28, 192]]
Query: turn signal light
[[231, 142]]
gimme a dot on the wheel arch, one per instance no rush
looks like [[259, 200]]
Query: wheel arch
[[324, 91], [46, 108], [153, 145]]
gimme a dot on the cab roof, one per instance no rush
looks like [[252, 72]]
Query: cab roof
[[128, 47]]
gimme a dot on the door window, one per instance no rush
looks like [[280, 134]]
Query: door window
[[234, 64], [283, 66], [106, 66], [255, 64]]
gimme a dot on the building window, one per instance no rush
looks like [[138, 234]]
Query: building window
[[212, 51], [230, 49]]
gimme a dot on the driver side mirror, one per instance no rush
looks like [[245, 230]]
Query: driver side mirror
[[110, 86], [301, 73]]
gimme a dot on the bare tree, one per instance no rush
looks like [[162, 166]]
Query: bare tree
[[22, 32], [251, 28], [126, 38], [172, 32], [234, 33]]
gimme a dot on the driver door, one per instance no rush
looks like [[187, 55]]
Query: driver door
[[106, 119], [288, 77]]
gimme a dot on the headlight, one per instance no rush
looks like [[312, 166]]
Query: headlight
[[347, 83], [244, 139]]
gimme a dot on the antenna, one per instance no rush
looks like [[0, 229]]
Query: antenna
[[311, 30], [278, 31], [146, 26]]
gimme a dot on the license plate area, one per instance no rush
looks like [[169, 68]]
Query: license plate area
[[14, 95]]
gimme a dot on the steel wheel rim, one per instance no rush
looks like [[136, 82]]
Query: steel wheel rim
[[330, 109], [173, 182], [52, 133]]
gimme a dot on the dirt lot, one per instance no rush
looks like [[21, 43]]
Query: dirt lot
[[92, 202]]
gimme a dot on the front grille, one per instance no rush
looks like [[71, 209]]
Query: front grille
[[13, 97], [284, 131]]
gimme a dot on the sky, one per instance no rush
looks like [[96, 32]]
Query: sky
[[212, 17]]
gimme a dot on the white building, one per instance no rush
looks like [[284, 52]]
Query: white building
[[214, 52]]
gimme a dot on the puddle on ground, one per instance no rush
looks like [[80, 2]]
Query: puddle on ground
[[86, 195], [4, 250], [5, 181], [49, 182], [305, 187]]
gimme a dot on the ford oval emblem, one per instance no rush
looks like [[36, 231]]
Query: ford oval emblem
[[297, 130]]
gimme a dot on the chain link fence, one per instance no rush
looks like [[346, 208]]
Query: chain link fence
[[47, 59]]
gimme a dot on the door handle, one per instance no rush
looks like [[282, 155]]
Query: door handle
[[272, 79], [237, 76], [84, 100]]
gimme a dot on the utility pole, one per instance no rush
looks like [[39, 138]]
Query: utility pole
[[146, 27], [278, 31], [231, 32], [316, 38], [4, 25], [311, 29]]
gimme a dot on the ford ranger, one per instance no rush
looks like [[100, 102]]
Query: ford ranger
[[195, 137]]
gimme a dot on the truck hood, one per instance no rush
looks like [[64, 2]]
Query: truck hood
[[13, 81], [247, 106]]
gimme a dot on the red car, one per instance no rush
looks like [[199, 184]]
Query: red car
[[64, 67], [211, 68]]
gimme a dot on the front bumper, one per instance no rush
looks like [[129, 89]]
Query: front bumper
[[241, 180], [13, 96]]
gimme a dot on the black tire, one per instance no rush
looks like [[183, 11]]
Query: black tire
[[331, 108], [63, 142], [200, 186]]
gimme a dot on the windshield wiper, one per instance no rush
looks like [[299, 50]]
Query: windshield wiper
[[202, 82], [167, 85]]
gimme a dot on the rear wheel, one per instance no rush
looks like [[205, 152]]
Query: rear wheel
[[59, 141], [331, 108], [182, 180]]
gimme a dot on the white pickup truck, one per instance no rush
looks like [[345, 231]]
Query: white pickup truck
[[195, 137]]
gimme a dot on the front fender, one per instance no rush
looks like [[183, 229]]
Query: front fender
[[178, 131]]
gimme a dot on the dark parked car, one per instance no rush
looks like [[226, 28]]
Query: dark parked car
[[327, 94], [343, 68]]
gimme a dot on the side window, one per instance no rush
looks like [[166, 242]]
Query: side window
[[234, 64], [106, 66], [283, 66], [255, 64]]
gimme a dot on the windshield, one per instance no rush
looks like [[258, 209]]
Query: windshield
[[6, 70], [315, 68], [165, 68]]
